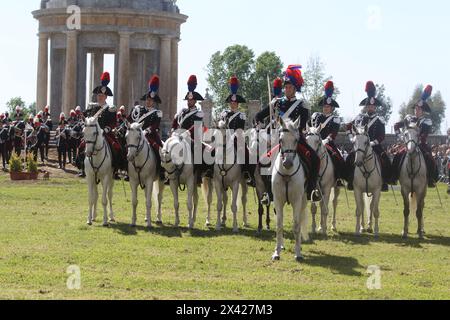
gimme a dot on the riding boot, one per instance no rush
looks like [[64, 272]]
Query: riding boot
[[312, 162], [350, 170], [432, 171], [267, 195]]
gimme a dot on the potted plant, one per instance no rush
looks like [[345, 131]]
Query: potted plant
[[16, 170]]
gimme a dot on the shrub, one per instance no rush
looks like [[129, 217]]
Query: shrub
[[32, 166], [15, 163]]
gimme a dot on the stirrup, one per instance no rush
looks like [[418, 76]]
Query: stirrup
[[315, 196], [265, 201]]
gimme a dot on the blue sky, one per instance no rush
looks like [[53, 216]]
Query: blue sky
[[398, 43]]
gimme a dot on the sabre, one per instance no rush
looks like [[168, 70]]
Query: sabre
[[395, 197], [269, 90]]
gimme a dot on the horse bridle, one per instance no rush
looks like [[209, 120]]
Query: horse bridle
[[95, 152], [177, 171], [412, 175], [139, 148], [287, 177], [366, 173]]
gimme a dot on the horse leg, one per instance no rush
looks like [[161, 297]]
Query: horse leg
[[225, 205], [176, 203], [219, 193], [313, 213], [268, 217], [93, 195], [134, 202], [190, 204], [207, 193], [244, 203], [159, 185], [194, 217], [359, 211], [110, 198], [420, 224], [260, 216], [375, 212], [234, 209], [105, 202], [296, 229], [406, 212], [324, 212], [335, 204], [148, 201], [280, 241]]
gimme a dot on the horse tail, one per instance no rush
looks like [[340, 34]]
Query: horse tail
[[412, 203], [304, 220]]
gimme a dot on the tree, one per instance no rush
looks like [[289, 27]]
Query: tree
[[18, 101], [315, 79], [386, 109], [240, 61], [235, 60], [267, 64], [436, 104]]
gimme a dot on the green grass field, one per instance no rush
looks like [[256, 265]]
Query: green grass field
[[43, 232]]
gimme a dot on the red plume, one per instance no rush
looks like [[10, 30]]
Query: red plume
[[105, 78], [192, 83]]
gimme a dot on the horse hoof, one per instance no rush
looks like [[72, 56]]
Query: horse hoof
[[299, 258], [218, 228], [236, 230], [404, 236], [268, 228], [159, 223], [377, 236], [89, 223], [112, 220], [106, 225], [275, 257], [207, 224], [246, 225], [333, 229]]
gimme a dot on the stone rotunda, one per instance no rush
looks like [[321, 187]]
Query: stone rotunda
[[143, 35]]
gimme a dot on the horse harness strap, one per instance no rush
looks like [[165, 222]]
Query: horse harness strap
[[287, 179]]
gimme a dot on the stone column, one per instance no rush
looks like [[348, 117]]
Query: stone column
[[174, 78], [70, 78], [97, 65], [165, 75], [124, 70], [207, 108], [42, 73]]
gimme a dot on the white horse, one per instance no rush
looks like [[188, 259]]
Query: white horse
[[327, 182], [142, 170], [413, 180], [258, 146], [227, 174], [173, 154], [288, 185], [99, 169], [367, 182]]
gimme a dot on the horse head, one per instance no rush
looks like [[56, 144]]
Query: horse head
[[361, 144], [289, 137], [174, 150], [411, 137], [92, 135], [313, 137], [133, 138]]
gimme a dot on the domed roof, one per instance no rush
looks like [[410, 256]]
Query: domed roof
[[153, 5]]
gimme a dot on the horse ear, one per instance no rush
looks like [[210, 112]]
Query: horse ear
[[298, 123], [127, 124]]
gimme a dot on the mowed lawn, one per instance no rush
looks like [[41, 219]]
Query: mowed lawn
[[43, 231]]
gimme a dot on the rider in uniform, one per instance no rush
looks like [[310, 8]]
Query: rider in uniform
[[235, 120], [186, 120], [150, 117], [376, 128], [425, 125], [329, 125], [107, 120], [289, 107]]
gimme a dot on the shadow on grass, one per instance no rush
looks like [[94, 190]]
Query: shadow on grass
[[412, 241], [342, 265], [250, 233], [126, 230]]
